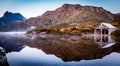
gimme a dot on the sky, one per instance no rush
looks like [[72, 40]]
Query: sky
[[33, 8]]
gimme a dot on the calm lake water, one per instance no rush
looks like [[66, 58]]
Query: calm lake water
[[55, 50]]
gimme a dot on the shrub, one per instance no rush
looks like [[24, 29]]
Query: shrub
[[86, 30]]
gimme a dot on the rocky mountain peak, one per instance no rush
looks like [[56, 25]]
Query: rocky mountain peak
[[66, 6], [7, 13], [9, 18]]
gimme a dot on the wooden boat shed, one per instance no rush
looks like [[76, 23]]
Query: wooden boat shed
[[104, 29]]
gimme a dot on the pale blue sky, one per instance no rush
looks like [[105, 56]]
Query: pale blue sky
[[33, 8]]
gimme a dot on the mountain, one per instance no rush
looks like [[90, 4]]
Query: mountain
[[67, 15], [9, 18], [74, 13]]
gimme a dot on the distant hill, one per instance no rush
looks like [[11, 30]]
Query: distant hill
[[67, 15], [10, 18]]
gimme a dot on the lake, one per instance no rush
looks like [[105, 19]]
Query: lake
[[59, 50]]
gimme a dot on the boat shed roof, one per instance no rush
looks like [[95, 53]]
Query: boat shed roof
[[108, 25]]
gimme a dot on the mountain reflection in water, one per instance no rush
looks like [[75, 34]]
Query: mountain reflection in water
[[72, 48], [68, 48]]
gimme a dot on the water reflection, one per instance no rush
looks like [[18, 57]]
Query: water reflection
[[104, 41], [10, 46], [73, 48], [67, 48]]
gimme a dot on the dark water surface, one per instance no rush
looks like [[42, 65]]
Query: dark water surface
[[55, 50]]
